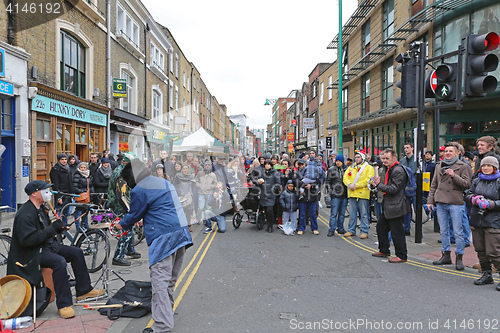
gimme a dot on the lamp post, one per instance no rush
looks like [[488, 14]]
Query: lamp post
[[273, 103], [341, 93]]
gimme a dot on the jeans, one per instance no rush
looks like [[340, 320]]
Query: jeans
[[202, 205], [377, 207], [337, 213], [465, 228], [292, 216], [407, 217], [453, 213], [221, 220], [303, 206], [362, 206], [84, 219]]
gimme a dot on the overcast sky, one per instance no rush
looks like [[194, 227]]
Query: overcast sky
[[249, 51]]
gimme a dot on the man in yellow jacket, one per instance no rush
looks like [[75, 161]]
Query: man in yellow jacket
[[356, 179]]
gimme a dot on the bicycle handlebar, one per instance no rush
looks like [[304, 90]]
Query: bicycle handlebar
[[66, 194]]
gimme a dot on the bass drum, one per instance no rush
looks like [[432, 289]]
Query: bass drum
[[16, 294]]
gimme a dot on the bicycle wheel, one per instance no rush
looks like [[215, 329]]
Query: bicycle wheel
[[138, 235], [5, 241], [237, 217], [260, 221], [93, 243]]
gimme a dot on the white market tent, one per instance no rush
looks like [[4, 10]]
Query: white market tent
[[201, 141]]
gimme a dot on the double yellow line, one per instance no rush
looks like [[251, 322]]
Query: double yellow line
[[366, 248], [209, 237]]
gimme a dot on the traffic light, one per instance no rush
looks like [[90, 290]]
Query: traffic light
[[479, 62], [446, 82], [408, 82]]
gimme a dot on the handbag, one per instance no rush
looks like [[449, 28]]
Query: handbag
[[186, 199], [84, 196]]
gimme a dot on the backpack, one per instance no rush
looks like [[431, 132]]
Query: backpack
[[411, 184]]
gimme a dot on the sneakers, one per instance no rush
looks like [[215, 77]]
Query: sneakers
[[315, 232], [331, 233], [134, 255], [341, 232], [363, 236], [92, 294], [207, 230], [349, 234], [379, 254], [121, 262], [300, 232], [396, 260], [66, 312]]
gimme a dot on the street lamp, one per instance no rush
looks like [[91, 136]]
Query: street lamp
[[273, 103]]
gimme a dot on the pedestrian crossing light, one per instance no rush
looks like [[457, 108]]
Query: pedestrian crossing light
[[408, 83], [479, 62], [446, 82]]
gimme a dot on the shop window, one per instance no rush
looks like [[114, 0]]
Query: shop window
[[345, 104], [463, 128], [80, 136], [72, 65], [490, 127], [123, 143], [63, 138], [94, 136], [7, 112], [43, 130]]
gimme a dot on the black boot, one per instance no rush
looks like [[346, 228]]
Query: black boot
[[486, 278], [444, 260], [459, 264]]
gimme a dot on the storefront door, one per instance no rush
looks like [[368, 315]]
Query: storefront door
[[42, 161], [8, 170]]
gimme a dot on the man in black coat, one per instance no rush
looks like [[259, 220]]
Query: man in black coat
[[60, 175], [395, 205], [34, 246], [165, 161]]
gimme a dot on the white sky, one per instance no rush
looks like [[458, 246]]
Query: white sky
[[249, 51]]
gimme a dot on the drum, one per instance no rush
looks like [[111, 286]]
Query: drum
[[115, 232], [17, 295], [105, 225]]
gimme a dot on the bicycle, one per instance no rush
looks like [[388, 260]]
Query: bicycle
[[93, 242], [5, 241]]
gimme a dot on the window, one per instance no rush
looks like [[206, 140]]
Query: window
[[184, 79], [176, 65], [126, 26], [330, 90], [345, 104], [388, 20], [156, 57], [345, 59], [329, 121], [94, 139], [80, 134], [387, 83], [43, 131], [171, 60], [321, 124], [72, 65], [7, 110], [188, 83], [176, 98], [63, 138], [171, 95], [156, 111], [314, 90], [365, 46], [365, 94], [128, 103], [321, 92]]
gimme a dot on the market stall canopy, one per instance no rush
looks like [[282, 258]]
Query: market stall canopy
[[201, 141]]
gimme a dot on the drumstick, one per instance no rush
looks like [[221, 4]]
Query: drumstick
[[34, 305], [4, 303], [89, 307], [52, 208]]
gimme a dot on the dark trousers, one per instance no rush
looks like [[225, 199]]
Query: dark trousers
[[269, 211], [487, 245], [58, 263], [395, 226]]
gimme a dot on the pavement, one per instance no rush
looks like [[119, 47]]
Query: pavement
[[91, 321]]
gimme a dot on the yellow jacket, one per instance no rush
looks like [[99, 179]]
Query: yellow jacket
[[361, 190]]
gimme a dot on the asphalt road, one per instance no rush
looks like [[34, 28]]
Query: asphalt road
[[252, 281]]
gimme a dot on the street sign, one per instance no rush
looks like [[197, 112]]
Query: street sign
[[308, 123], [434, 81], [119, 87]]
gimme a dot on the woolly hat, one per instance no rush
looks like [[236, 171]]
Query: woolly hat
[[62, 155], [105, 160], [301, 161], [490, 160], [340, 158], [469, 155]]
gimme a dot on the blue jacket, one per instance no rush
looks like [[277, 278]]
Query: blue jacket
[[289, 201], [155, 201]]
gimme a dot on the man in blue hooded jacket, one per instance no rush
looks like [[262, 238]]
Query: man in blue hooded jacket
[[155, 201]]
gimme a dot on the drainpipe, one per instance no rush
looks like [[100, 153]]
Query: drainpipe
[[108, 68], [11, 28]]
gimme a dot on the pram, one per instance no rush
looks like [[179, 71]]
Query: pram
[[249, 210]]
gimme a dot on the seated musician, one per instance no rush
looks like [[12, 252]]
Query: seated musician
[[34, 245]]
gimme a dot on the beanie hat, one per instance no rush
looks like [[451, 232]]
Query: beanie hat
[[340, 158], [62, 155], [490, 160], [105, 160], [469, 155]]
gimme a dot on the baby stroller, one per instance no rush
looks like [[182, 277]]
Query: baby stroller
[[249, 209]]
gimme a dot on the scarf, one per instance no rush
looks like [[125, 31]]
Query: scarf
[[106, 172], [85, 173], [387, 173], [185, 178], [195, 169], [65, 167], [493, 176], [446, 164]]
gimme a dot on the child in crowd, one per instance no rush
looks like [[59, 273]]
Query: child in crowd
[[289, 202]]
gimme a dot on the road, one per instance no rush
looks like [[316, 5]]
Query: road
[[252, 281]]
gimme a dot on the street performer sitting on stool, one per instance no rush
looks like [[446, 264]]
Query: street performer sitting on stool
[[34, 245]]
